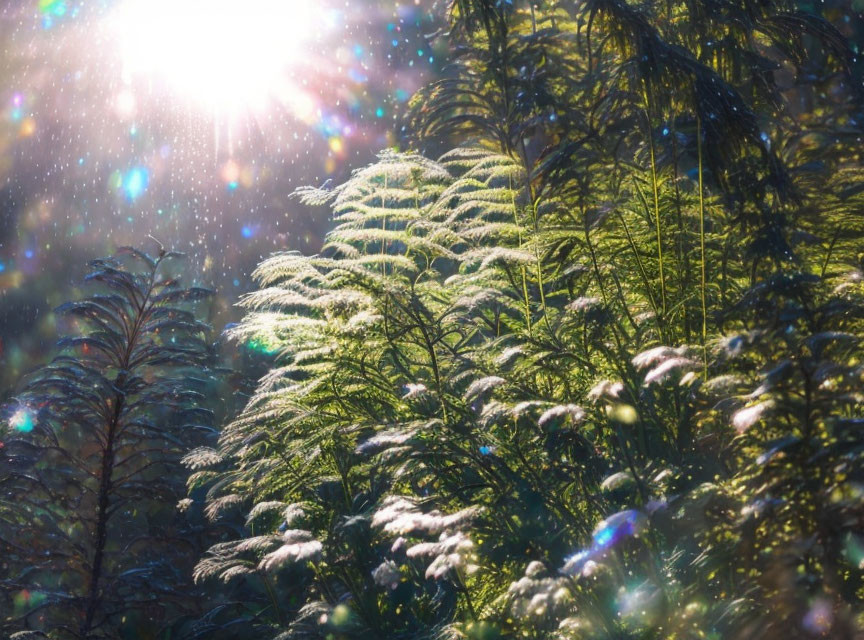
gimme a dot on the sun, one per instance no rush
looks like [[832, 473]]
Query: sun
[[223, 55]]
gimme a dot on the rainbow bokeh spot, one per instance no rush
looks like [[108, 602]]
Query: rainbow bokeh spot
[[135, 182], [22, 420], [262, 346], [53, 7]]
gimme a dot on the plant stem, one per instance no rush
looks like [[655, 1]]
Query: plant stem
[[702, 248], [655, 188], [521, 267]]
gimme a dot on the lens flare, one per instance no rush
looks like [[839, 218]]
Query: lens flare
[[135, 182], [22, 420], [223, 55]]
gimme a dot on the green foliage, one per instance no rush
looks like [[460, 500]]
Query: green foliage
[[593, 373], [89, 531]]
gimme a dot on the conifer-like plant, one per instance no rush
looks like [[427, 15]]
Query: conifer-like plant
[[92, 545], [581, 374]]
